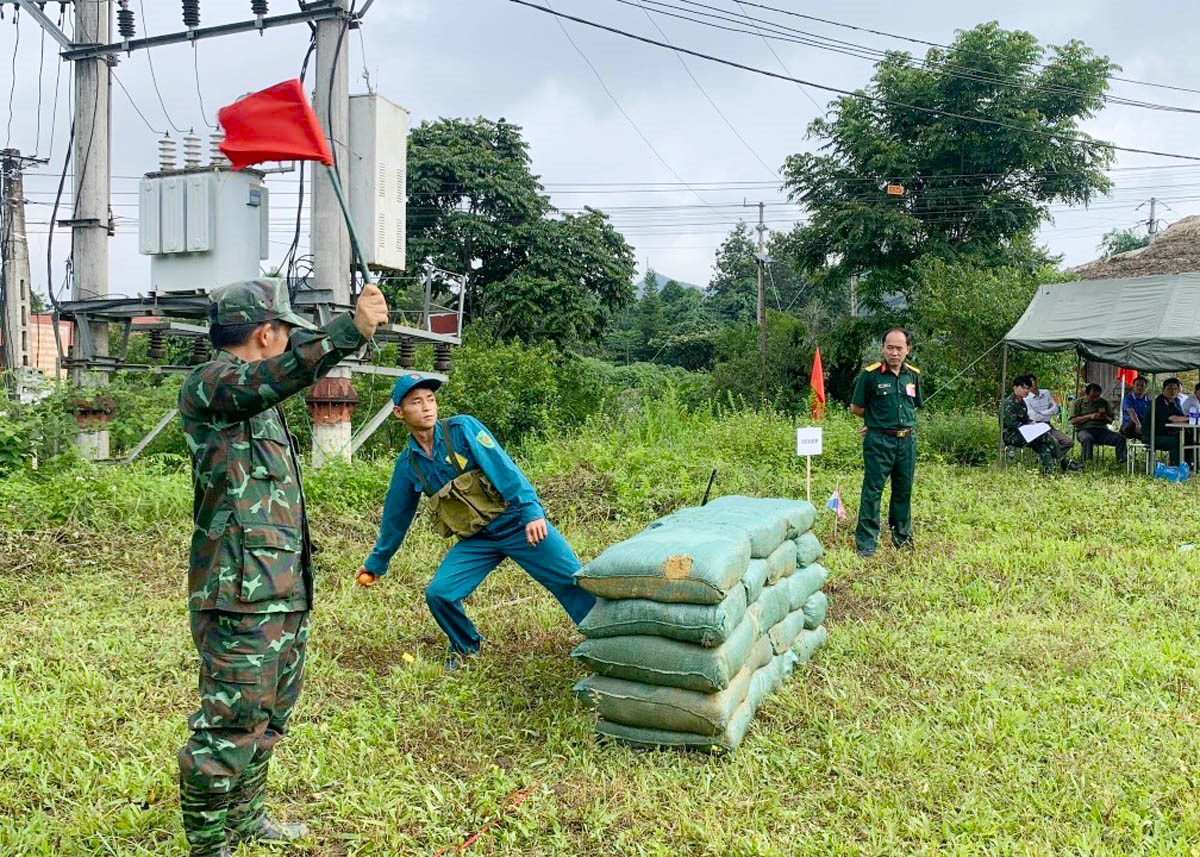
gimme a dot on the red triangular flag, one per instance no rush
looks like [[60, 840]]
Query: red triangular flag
[[276, 124], [1126, 375], [817, 382]]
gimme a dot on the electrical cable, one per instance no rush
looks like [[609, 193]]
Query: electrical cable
[[12, 89], [199, 93], [778, 59], [153, 76], [995, 123], [37, 144]]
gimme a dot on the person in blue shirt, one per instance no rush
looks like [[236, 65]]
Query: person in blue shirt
[[1135, 409], [506, 518]]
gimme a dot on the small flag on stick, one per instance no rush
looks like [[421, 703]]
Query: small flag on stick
[[1126, 376], [835, 504], [817, 382]]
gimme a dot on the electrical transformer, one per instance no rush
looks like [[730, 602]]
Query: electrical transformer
[[202, 227], [378, 185]]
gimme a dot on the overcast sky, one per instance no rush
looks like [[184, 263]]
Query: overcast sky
[[637, 137]]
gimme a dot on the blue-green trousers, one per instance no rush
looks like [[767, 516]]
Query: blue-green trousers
[[551, 563], [886, 458]]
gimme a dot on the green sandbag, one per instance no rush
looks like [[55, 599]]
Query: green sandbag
[[798, 515], [705, 624], [691, 565], [782, 562], [764, 681], [814, 610], [774, 603], [808, 550], [755, 579], [808, 642], [670, 663], [805, 582], [783, 634], [636, 704]]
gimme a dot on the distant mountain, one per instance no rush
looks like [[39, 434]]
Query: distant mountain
[[663, 279]]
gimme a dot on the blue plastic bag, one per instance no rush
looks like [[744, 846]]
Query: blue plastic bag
[[1182, 473]]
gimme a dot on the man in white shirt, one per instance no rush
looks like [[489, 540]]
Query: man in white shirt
[[1186, 403], [1043, 409]]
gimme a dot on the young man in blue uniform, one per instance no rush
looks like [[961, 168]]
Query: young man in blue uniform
[[479, 495]]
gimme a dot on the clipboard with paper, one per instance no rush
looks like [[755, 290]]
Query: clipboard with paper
[[1033, 431]]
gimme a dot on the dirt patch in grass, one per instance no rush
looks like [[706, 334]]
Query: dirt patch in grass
[[581, 493], [847, 605]]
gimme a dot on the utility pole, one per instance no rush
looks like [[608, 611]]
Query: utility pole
[[1153, 221], [762, 304], [331, 402], [14, 249]]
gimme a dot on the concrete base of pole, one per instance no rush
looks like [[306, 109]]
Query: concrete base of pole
[[330, 441], [93, 445]]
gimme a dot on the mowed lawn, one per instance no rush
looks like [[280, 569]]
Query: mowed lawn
[[1026, 682]]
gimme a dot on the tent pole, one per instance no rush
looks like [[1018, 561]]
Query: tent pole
[[1150, 457], [1003, 375]]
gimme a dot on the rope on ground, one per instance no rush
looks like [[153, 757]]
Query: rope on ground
[[946, 386], [510, 804]]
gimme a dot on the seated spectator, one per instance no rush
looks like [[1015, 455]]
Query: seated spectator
[[1166, 410], [1016, 414], [1043, 409], [1186, 403], [1135, 409], [1091, 416]]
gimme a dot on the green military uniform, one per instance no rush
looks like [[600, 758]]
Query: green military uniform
[[889, 401], [250, 579], [1016, 414]]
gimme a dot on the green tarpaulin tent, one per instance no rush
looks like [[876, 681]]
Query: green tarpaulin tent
[[1147, 323]]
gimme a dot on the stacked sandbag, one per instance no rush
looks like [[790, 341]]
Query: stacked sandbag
[[699, 618]]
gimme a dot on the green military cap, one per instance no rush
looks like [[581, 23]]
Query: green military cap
[[252, 301]]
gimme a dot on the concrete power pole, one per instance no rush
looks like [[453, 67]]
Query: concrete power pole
[[762, 305], [91, 218], [331, 402], [1153, 220], [15, 252]]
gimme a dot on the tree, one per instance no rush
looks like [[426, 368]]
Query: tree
[[957, 187], [733, 290], [649, 317], [1121, 241], [475, 208]]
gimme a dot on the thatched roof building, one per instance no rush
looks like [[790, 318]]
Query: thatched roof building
[[1177, 251]]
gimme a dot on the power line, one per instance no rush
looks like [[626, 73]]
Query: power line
[[153, 76], [708, 97], [12, 89], [199, 94], [778, 59], [995, 123]]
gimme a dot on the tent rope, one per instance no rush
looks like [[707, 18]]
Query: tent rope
[[948, 384]]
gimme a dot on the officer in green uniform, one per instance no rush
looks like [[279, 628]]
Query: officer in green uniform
[[250, 579], [886, 396]]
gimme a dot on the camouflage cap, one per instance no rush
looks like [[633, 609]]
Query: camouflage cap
[[253, 301]]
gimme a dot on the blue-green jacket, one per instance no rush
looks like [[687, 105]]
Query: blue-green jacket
[[477, 448]]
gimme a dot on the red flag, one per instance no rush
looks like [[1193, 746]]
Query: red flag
[[276, 124], [1126, 375], [817, 382]]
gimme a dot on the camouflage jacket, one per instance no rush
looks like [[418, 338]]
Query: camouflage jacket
[[1016, 414], [250, 549]]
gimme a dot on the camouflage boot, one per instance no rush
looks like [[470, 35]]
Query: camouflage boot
[[204, 816], [248, 819]]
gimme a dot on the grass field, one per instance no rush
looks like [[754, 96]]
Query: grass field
[[1026, 682]]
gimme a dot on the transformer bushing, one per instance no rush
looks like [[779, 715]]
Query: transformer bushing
[[406, 356], [331, 400], [441, 357], [93, 414]]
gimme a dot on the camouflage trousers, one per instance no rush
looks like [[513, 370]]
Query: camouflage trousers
[[251, 672]]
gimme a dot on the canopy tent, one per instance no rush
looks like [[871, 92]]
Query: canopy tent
[[1147, 323]]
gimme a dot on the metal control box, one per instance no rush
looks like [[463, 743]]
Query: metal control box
[[202, 227], [378, 185]]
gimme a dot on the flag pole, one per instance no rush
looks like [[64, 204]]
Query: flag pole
[[354, 243]]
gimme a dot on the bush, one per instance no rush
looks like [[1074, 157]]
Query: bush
[[959, 437]]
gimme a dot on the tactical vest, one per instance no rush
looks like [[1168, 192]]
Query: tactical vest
[[467, 503]]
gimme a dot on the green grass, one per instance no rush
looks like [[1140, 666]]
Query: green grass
[[1026, 682]]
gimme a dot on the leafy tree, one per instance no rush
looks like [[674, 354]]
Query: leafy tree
[[473, 201], [733, 290], [1121, 241], [789, 362], [968, 189], [649, 317]]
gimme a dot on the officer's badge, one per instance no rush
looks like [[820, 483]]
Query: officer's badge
[[485, 440]]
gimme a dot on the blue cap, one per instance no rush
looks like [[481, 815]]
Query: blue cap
[[410, 381]]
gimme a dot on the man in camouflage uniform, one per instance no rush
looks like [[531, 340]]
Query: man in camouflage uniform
[[250, 579], [1016, 414]]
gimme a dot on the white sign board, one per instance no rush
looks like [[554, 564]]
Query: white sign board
[[808, 441]]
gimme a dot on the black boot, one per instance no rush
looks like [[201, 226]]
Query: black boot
[[204, 818], [247, 818]]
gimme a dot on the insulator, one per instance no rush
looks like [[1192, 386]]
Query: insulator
[[407, 356], [258, 7], [158, 342], [216, 156], [191, 14], [191, 151], [199, 351], [441, 357], [166, 153], [125, 23]]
